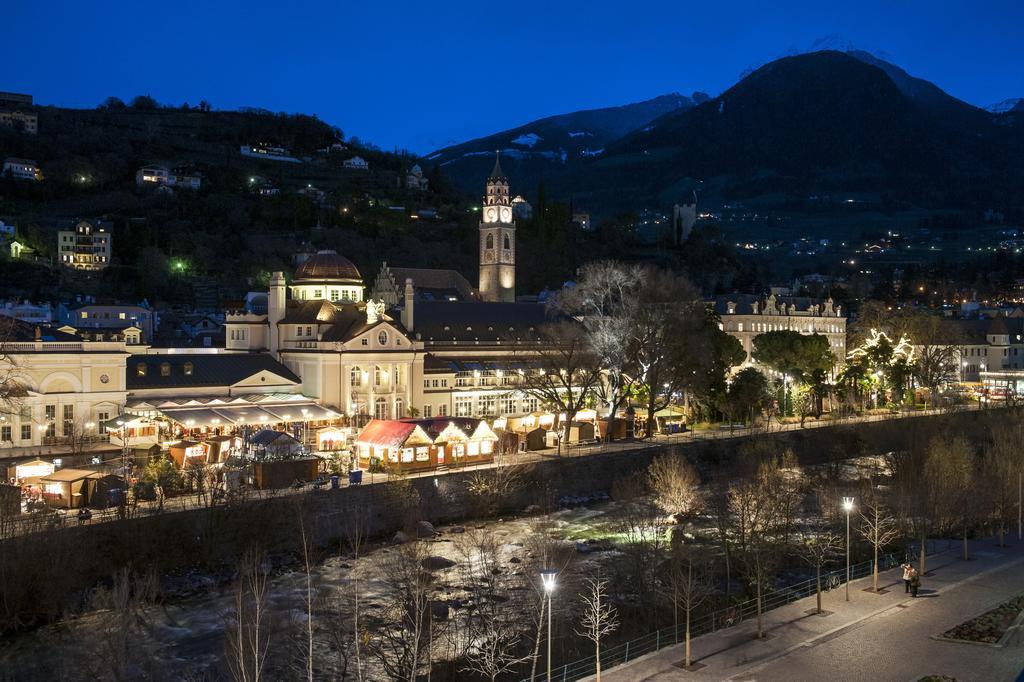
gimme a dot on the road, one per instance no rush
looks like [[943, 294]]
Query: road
[[890, 636]]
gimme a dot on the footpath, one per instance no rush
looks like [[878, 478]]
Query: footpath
[[883, 637]]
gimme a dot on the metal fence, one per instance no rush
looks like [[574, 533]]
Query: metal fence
[[713, 621]]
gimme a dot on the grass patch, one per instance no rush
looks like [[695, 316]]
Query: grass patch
[[990, 626]]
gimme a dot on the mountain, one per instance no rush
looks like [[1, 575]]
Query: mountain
[[819, 123], [547, 146], [1007, 105]]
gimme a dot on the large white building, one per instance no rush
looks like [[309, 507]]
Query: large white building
[[68, 389], [744, 317]]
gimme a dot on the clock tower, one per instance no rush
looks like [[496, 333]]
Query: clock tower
[[497, 241]]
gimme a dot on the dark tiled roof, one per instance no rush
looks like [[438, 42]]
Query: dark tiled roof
[[346, 320], [208, 369], [974, 332], [328, 265], [265, 437], [468, 321], [445, 365], [433, 283], [15, 330]]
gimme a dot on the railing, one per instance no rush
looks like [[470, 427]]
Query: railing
[[624, 652]]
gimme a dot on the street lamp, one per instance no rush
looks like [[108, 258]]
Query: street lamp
[[547, 577], [847, 507]]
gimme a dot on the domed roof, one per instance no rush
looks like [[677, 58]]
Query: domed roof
[[327, 265]]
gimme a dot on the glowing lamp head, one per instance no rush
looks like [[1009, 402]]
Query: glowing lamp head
[[547, 577], [847, 504]]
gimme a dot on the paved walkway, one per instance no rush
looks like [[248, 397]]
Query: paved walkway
[[873, 637]]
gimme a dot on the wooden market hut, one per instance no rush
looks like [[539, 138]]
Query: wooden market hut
[[186, 452], [68, 488], [416, 444]]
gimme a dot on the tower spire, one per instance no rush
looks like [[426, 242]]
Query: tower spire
[[497, 174]]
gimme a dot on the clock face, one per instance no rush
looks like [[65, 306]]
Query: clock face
[[492, 215], [506, 215]]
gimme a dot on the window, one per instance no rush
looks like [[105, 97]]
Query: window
[[382, 338], [101, 420], [364, 342], [490, 241], [121, 316], [51, 417], [188, 369], [380, 408], [68, 425], [355, 377], [422, 454], [334, 295], [463, 407], [442, 410], [426, 383], [428, 411], [407, 454], [309, 331], [6, 433], [318, 294], [298, 331], [165, 369], [487, 406], [508, 406], [508, 243], [26, 432], [399, 408], [531, 404]]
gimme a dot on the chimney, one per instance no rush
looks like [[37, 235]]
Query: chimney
[[407, 308], [275, 310]]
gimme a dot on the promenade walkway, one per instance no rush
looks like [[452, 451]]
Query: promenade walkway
[[872, 637]]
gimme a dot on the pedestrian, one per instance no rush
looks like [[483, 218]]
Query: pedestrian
[[907, 568], [915, 582]]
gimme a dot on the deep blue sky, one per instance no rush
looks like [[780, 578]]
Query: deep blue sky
[[424, 74]]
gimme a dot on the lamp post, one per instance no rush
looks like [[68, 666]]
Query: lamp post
[[547, 577], [847, 507]]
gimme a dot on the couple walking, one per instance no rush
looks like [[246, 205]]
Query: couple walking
[[911, 579]]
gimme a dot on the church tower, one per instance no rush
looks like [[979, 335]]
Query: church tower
[[497, 241]]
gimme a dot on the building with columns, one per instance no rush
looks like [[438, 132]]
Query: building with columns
[[60, 390], [745, 316]]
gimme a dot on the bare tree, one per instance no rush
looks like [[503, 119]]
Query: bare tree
[[491, 486], [762, 511], [598, 618], [307, 567], [356, 532], [493, 629], [879, 528], [605, 300], [1003, 468], [13, 390], [401, 629], [692, 584], [249, 624], [949, 472], [819, 547], [675, 484], [560, 369]]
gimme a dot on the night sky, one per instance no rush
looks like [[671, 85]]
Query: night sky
[[421, 75]]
